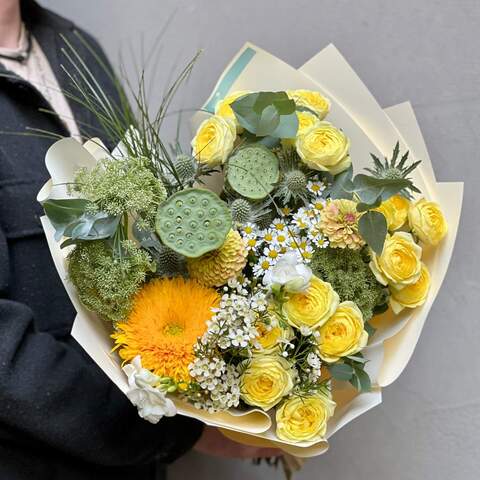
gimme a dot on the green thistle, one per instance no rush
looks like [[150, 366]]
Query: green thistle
[[106, 283], [391, 170]]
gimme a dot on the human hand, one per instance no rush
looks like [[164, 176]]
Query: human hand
[[212, 442]]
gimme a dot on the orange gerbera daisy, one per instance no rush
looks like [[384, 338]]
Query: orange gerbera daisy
[[167, 317]]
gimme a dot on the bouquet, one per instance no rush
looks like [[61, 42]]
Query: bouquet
[[270, 278]]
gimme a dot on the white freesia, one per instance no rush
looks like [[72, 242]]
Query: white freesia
[[289, 272], [152, 403]]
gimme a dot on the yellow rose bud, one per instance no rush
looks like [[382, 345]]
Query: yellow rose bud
[[266, 380], [306, 120], [412, 295], [312, 307], [324, 147], [302, 419], [314, 101], [399, 264], [224, 110], [395, 210], [427, 222], [343, 334], [270, 336], [214, 141]]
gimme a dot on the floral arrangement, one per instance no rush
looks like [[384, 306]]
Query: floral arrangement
[[260, 295]]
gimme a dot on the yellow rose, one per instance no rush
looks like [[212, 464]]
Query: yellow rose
[[271, 336], [313, 307], [314, 101], [399, 264], [427, 221], [343, 334], [224, 110], [266, 380], [395, 210], [324, 147], [214, 141], [302, 419], [306, 120], [412, 295]]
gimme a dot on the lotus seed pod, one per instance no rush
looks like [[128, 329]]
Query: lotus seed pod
[[193, 222], [241, 210], [253, 171], [296, 181], [185, 166]]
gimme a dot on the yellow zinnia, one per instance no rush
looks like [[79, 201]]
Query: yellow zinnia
[[163, 327]]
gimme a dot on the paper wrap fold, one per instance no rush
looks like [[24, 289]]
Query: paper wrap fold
[[371, 130]]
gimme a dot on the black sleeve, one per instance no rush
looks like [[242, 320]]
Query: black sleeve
[[53, 394]]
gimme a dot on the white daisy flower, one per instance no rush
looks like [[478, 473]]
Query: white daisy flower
[[263, 265], [316, 187]]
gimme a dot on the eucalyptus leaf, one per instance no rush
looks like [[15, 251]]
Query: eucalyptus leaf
[[373, 228], [369, 328], [341, 183], [341, 371], [268, 121], [369, 188], [361, 381], [363, 207], [287, 126]]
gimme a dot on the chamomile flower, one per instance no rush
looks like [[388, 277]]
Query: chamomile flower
[[272, 252], [267, 235], [279, 224], [251, 242], [316, 187], [249, 229], [286, 211], [301, 219], [318, 204], [263, 265]]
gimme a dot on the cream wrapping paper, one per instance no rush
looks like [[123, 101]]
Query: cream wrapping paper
[[371, 130]]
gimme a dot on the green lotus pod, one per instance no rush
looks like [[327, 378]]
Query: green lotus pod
[[193, 222], [253, 171]]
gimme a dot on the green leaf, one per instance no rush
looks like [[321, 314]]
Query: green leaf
[[360, 380], [363, 207], [69, 218], [341, 371], [369, 188], [267, 114], [342, 185], [373, 228], [369, 328], [357, 358]]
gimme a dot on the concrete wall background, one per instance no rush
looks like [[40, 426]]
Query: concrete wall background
[[428, 52]]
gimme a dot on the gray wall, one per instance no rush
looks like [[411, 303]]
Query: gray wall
[[426, 51]]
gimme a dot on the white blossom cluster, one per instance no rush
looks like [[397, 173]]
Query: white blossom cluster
[[315, 364], [219, 384]]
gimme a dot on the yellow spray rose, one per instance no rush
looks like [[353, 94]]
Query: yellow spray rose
[[395, 210], [266, 380], [427, 222], [306, 120], [314, 101], [271, 336], [214, 141], [301, 419], [399, 264], [224, 110], [324, 147], [412, 295], [312, 307], [343, 334]]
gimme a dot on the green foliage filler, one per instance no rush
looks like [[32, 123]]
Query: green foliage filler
[[118, 186], [105, 283], [350, 276], [193, 221]]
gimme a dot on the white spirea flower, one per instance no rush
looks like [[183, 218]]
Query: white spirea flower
[[151, 402], [290, 273]]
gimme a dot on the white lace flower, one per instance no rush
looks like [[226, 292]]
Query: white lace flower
[[151, 402]]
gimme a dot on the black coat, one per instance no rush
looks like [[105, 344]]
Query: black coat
[[60, 416]]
